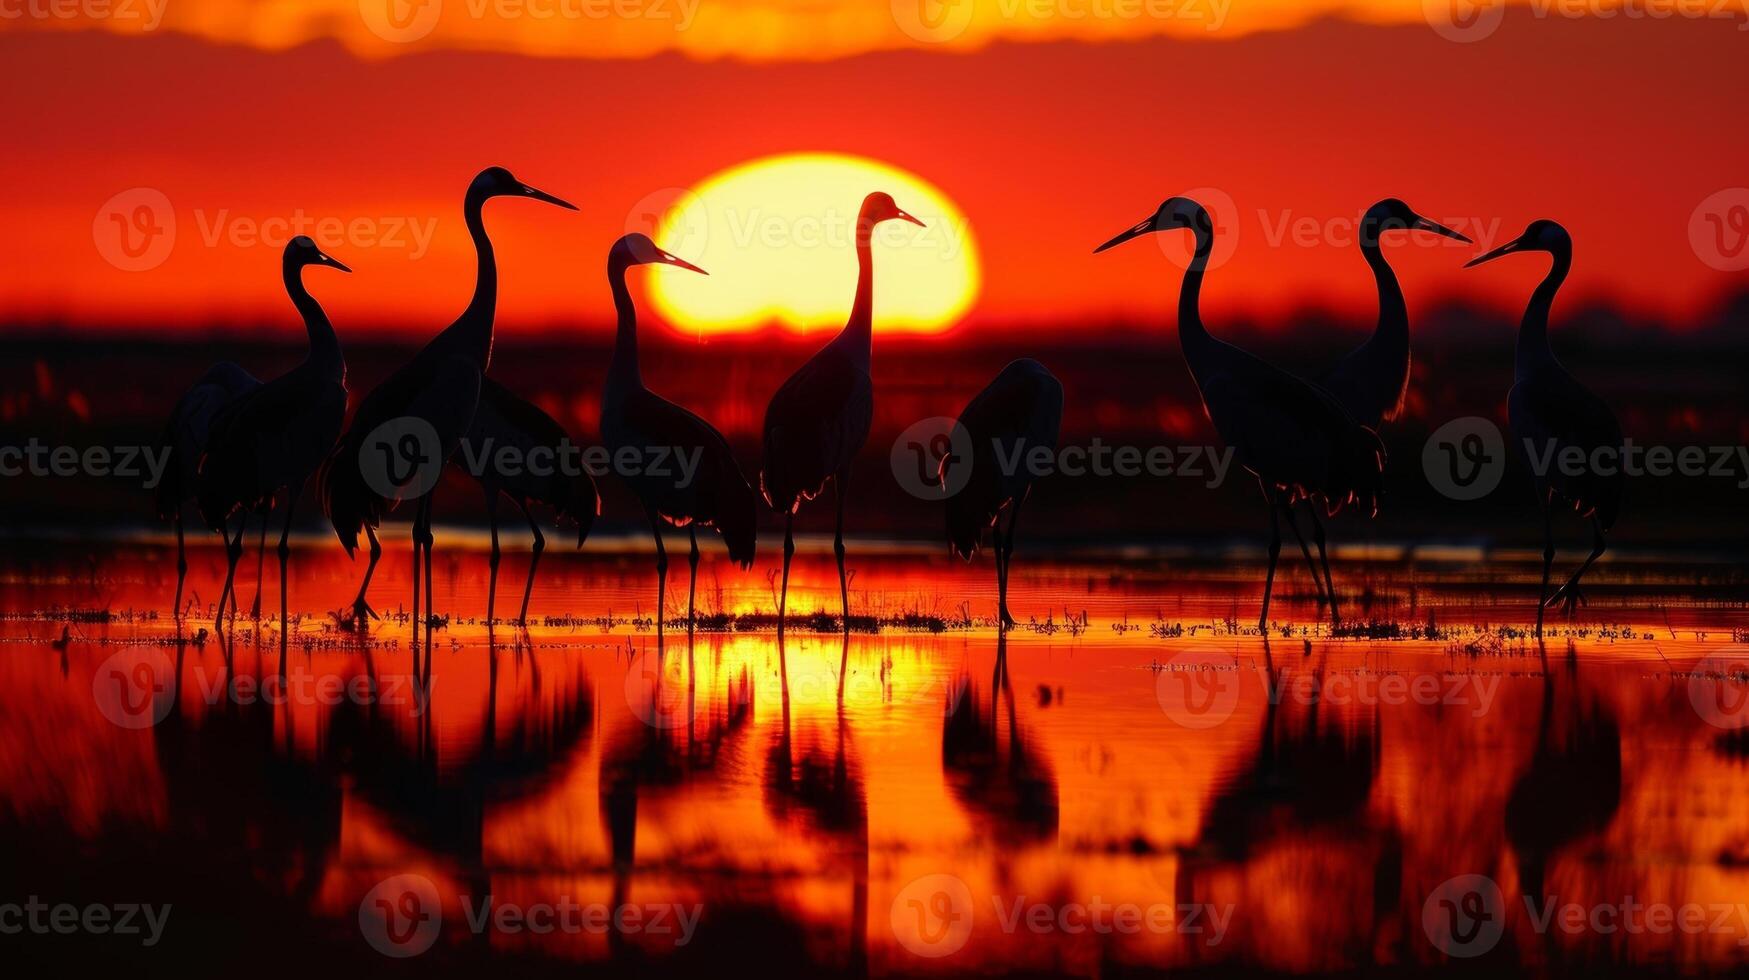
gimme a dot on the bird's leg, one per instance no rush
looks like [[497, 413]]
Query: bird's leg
[[1287, 511], [425, 545], [1548, 559], [417, 508], [996, 543], [838, 492], [233, 552], [284, 549], [789, 552], [492, 562], [540, 545], [260, 560], [1569, 594], [1323, 559], [661, 570], [692, 578], [360, 608], [1274, 553], [181, 567], [1008, 561]]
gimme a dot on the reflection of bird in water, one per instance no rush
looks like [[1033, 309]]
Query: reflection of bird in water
[[821, 795], [504, 418], [1019, 411], [1005, 785], [1293, 435], [1572, 787], [1552, 413]]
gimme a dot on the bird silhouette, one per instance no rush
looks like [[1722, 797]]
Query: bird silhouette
[[1294, 436], [185, 435], [1021, 410], [435, 393], [1553, 415], [648, 427], [277, 434], [820, 416], [503, 419]]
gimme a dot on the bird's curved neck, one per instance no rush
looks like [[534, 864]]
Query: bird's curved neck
[[1533, 332], [324, 345], [475, 324], [1393, 327], [1191, 333], [857, 338], [624, 368]]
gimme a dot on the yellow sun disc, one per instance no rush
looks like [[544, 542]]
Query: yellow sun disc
[[778, 236]]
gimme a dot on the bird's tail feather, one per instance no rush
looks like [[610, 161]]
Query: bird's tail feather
[[347, 500]]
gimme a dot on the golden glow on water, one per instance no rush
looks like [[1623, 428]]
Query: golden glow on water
[[795, 793]]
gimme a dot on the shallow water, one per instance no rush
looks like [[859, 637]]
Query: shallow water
[[1135, 781]]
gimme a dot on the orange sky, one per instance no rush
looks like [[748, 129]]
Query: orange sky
[[1618, 127]]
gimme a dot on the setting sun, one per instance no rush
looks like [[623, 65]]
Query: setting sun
[[777, 235]]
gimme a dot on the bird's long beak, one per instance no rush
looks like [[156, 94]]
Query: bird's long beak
[[323, 258], [540, 195], [677, 260], [1438, 229], [904, 215], [1136, 232], [1509, 247]]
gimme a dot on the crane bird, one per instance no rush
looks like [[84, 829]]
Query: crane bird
[[1020, 410], [638, 422], [277, 434], [435, 393], [1553, 416], [505, 419], [1294, 436], [820, 417], [186, 435]]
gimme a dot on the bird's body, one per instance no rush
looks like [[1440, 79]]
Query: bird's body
[[277, 434], [185, 435], [505, 420], [1554, 418], [1018, 412], [1294, 436], [686, 474], [820, 416], [437, 391], [1372, 381]]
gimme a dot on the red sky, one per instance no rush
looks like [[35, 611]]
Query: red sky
[[1617, 127]]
